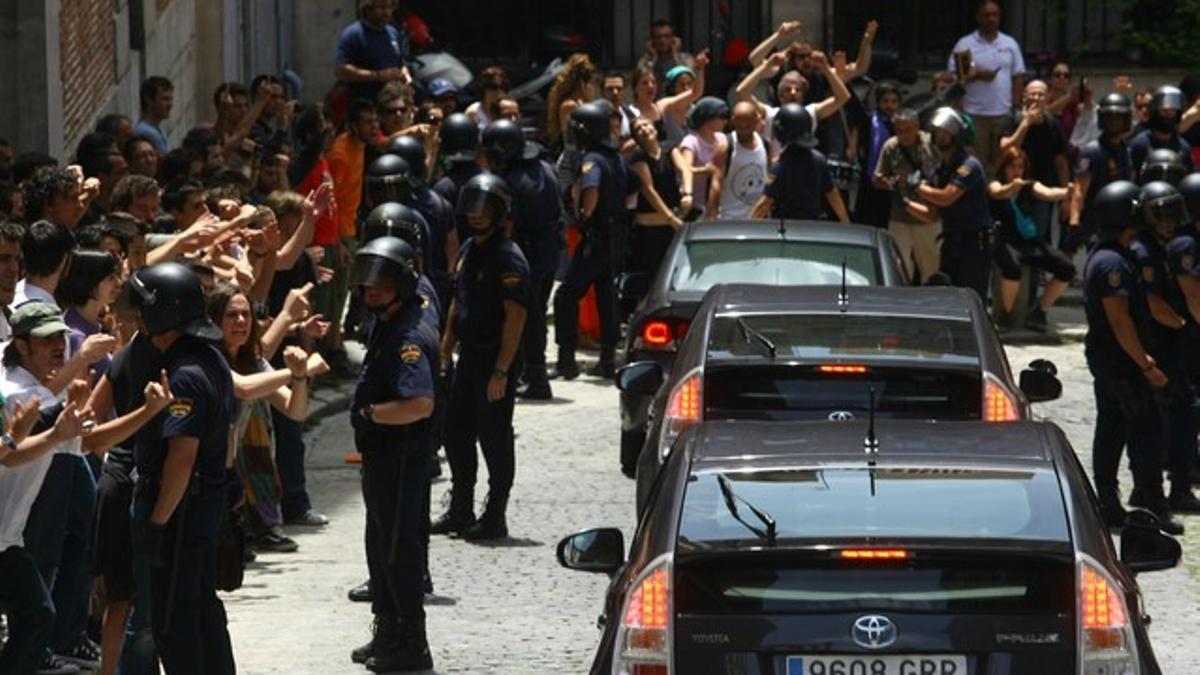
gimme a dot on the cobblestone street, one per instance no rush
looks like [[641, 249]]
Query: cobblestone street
[[510, 608]]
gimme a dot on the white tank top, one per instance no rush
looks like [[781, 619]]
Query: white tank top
[[745, 178]]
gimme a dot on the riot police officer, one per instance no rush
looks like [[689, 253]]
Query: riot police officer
[[438, 212], [1162, 165], [959, 192], [392, 404], [800, 180], [459, 148], [181, 489], [604, 183], [1126, 376], [1183, 252], [1166, 110], [1100, 162], [1163, 213], [389, 179], [537, 217], [485, 323]]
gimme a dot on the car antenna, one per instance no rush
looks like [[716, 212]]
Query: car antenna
[[843, 294], [782, 227], [871, 442]]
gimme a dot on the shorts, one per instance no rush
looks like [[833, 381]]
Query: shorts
[[112, 545]]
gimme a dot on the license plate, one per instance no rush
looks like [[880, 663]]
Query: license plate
[[892, 664]]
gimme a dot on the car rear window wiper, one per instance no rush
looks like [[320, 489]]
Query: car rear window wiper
[[731, 499], [752, 336]]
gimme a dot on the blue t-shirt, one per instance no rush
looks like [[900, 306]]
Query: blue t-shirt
[[154, 134], [371, 49]]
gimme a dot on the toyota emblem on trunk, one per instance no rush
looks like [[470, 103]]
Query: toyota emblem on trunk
[[841, 416], [874, 632]]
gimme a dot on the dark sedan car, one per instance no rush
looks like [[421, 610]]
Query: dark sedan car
[[749, 252], [947, 548], [808, 352]]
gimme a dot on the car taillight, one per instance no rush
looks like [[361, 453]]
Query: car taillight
[[1106, 640], [661, 334], [874, 554], [998, 404], [685, 408], [841, 369], [643, 644]]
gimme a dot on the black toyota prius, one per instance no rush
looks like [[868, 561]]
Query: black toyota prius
[[917, 548]]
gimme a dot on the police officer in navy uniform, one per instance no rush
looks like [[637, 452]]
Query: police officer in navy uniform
[[800, 181], [1166, 110], [1183, 253], [537, 218], [1126, 376], [458, 145], [604, 183], [389, 179], [485, 322], [182, 487], [959, 192], [1164, 212], [391, 409], [438, 212], [1103, 161], [1162, 165]]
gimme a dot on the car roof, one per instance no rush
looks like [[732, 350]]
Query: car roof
[[943, 302], [733, 445], [792, 230]]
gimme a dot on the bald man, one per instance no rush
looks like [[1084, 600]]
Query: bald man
[[1040, 135], [744, 168]]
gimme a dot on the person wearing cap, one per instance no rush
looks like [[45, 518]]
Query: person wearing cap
[[445, 94], [800, 180], [182, 485], [696, 157], [371, 51], [791, 89]]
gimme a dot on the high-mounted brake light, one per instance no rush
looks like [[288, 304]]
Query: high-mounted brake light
[[685, 408], [661, 334], [643, 644], [998, 404], [1106, 640], [874, 554], [841, 369]]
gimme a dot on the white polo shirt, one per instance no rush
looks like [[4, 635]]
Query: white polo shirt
[[19, 486], [1002, 55]]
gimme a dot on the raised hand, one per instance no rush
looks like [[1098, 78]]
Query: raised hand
[[158, 394]]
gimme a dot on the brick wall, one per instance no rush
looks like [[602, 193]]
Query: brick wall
[[87, 48]]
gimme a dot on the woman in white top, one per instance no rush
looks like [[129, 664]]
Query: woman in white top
[[495, 87]]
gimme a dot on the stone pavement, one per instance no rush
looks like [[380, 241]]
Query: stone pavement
[[509, 608]]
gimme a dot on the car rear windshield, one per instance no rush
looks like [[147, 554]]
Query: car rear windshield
[[887, 502], [701, 265], [846, 336]]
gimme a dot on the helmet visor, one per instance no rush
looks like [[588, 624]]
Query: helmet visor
[[1166, 212], [370, 270], [1172, 100], [1170, 173], [472, 201], [1115, 120]]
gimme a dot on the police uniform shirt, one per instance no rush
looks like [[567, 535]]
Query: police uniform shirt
[[203, 408], [430, 306], [1181, 256], [448, 187], [1110, 271], [1141, 145], [1102, 163], [798, 183], [605, 170], [488, 274], [1157, 278], [439, 215], [536, 213], [971, 210], [400, 358]]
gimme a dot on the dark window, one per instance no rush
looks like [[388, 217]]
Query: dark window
[[702, 264], [848, 336]]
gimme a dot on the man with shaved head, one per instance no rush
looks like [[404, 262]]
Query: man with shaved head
[[1041, 136], [744, 167]]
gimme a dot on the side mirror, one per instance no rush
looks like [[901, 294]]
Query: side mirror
[[640, 377], [599, 550], [1144, 546], [1040, 381], [633, 286]]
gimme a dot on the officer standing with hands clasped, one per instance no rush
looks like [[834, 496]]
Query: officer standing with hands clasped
[[485, 322], [960, 193], [1126, 377], [182, 488], [391, 410]]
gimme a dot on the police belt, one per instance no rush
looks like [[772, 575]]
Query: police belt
[[982, 237], [198, 484], [369, 435]]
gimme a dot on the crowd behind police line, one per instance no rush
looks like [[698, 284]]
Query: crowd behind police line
[[167, 310]]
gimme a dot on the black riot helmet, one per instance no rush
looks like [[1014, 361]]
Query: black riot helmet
[[952, 122], [591, 126], [485, 191], [503, 143], [383, 260], [1189, 187], [1166, 107], [1163, 208], [411, 150], [389, 179], [1162, 165], [392, 220], [459, 138], [1116, 208], [1115, 114], [171, 297], [793, 126]]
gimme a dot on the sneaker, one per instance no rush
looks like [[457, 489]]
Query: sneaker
[[52, 665], [1036, 319], [309, 518], [275, 541], [85, 654]]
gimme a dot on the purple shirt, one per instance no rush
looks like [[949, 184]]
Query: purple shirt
[[81, 329], [881, 130]]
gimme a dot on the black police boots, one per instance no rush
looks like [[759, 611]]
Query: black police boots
[[567, 367], [492, 524], [537, 385], [1160, 509], [361, 593], [1183, 501], [1112, 512], [383, 632], [604, 369], [407, 651], [458, 518]]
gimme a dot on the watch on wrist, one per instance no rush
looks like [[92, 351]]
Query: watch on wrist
[[367, 412], [7, 441]]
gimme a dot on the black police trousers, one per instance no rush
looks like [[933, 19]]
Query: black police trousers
[[395, 482], [1127, 416], [967, 260], [1179, 405], [471, 417], [189, 619], [533, 338], [591, 264]]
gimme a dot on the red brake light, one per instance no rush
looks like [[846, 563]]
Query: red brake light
[[1100, 607], [643, 640], [842, 369], [685, 401], [874, 554], [656, 333], [649, 601], [998, 405]]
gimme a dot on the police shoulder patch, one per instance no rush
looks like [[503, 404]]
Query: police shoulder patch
[[1084, 164], [587, 166], [180, 407], [510, 279], [1114, 278], [410, 353], [1148, 274], [964, 170], [1186, 261]]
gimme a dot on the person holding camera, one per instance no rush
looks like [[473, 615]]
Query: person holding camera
[[904, 160]]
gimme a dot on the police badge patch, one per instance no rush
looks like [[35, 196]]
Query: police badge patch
[[180, 407], [1148, 275], [410, 353], [1114, 278], [964, 170], [1186, 262], [510, 279], [587, 166]]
